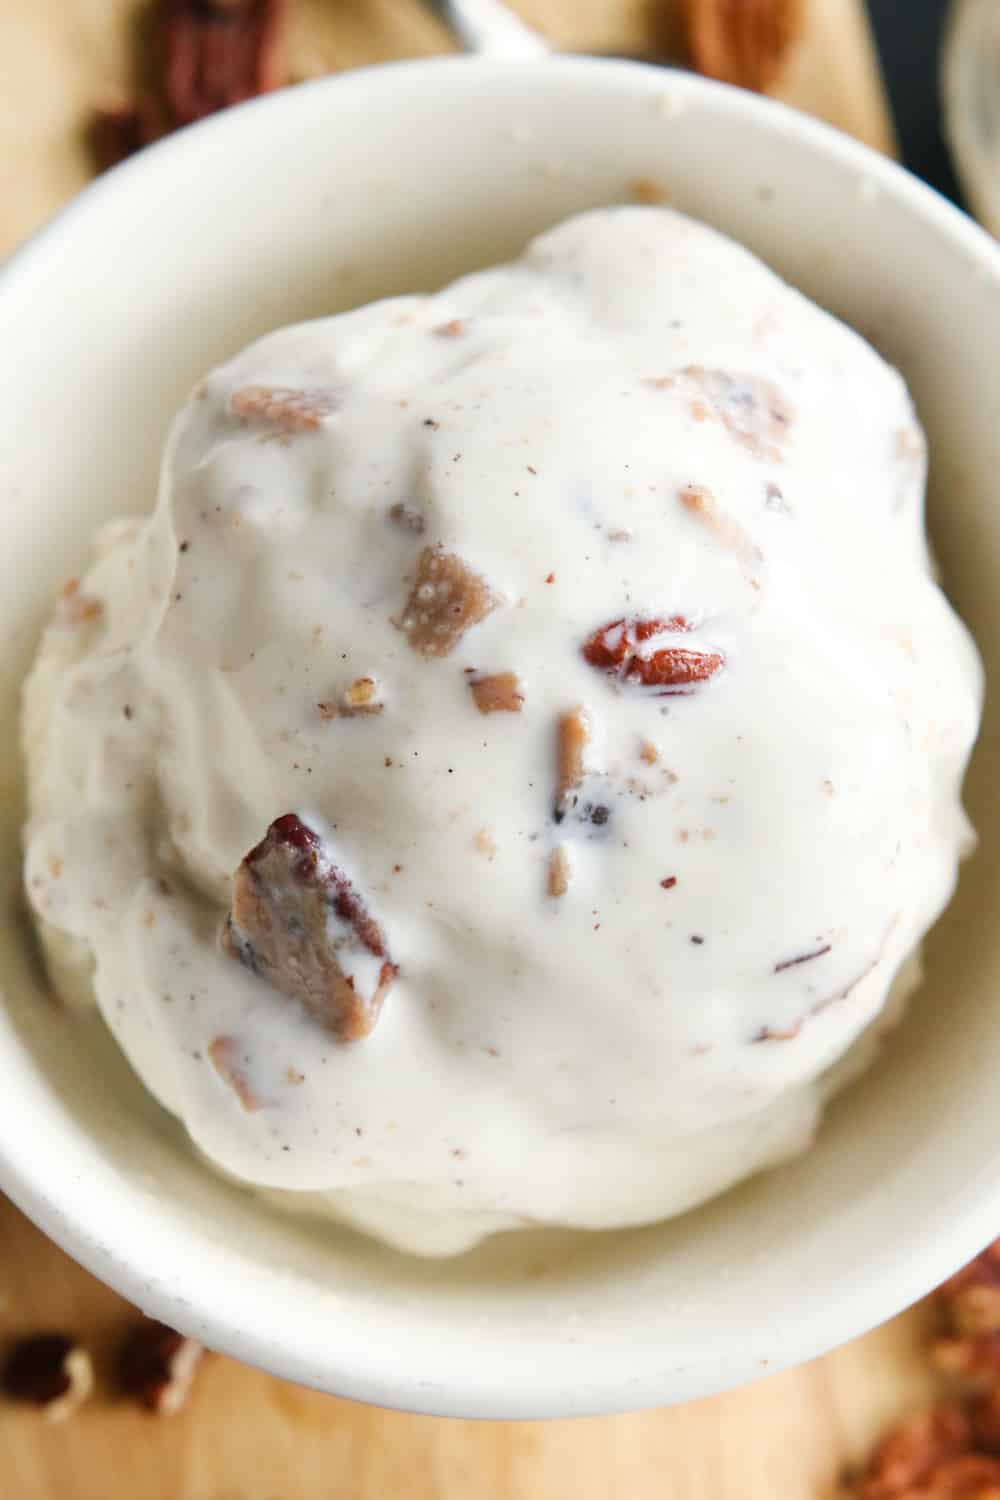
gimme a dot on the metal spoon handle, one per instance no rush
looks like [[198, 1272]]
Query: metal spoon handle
[[488, 26]]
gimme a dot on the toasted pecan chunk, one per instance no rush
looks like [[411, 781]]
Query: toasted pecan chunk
[[559, 872], [905, 1459], [283, 407], [453, 329], [297, 921], [746, 42], [497, 693], [572, 735], [700, 502], [753, 411], [225, 1056], [636, 651], [446, 600]]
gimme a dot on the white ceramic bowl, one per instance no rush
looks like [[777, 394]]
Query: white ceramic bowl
[[385, 181]]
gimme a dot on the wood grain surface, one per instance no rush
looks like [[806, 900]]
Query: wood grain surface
[[247, 1436]]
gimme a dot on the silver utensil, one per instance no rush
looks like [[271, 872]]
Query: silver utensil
[[492, 28]]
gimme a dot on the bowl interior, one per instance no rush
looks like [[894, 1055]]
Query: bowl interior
[[315, 200]]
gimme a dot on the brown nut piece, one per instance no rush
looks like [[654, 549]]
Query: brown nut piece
[[157, 1365], [700, 502], [446, 600], [282, 407], [908, 1454], [746, 42], [753, 411], [622, 649], [297, 921], [498, 693], [218, 52], [50, 1370]]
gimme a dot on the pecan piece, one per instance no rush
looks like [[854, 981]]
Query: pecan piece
[[559, 872], [283, 407], [297, 921], [572, 734], [701, 503], [621, 648], [746, 42], [157, 1365], [446, 600], [76, 608], [49, 1370], [500, 692], [906, 1457], [224, 1055], [217, 53]]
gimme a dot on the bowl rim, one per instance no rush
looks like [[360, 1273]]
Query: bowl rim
[[142, 1269]]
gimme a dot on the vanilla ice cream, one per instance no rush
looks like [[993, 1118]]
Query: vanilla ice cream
[[508, 778]]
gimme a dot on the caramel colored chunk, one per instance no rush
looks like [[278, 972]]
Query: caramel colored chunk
[[637, 651], [572, 735], [497, 693], [446, 600], [702, 504], [297, 921], [283, 407], [559, 872], [224, 1055]]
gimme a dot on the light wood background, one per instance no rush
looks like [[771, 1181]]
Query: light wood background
[[247, 1436]]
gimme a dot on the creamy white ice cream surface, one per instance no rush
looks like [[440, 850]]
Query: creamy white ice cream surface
[[575, 628]]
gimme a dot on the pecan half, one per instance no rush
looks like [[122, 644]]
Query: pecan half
[[283, 407], [49, 1370], [500, 692], [446, 600], [217, 53], [746, 42], [297, 921], [626, 649], [157, 1366]]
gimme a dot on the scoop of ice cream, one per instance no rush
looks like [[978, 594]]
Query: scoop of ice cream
[[503, 780]]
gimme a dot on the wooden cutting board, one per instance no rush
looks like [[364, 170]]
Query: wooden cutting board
[[247, 1436]]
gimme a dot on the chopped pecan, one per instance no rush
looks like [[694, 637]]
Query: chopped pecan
[[157, 1365], [77, 608], [701, 503], [361, 698], [225, 1057], [500, 692], [283, 407], [572, 735], [622, 649], [297, 921], [752, 410], [50, 1370], [453, 329], [559, 872], [746, 42], [446, 600]]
